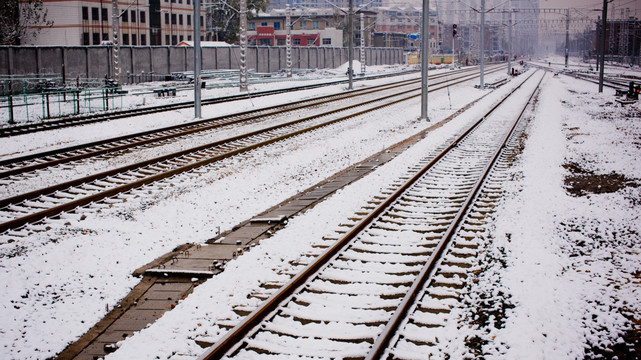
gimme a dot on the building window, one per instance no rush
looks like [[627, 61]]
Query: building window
[[167, 40], [277, 25], [181, 38], [296, 42], [251, 26], [105, 37], [201, 22], [315, 25], [311, 42], [173, 19], [143, 39], [280, 42], [96, 38], [188, 2], [263, 24], [94, 13], [125, 39], [125, 17], [174, 39], [85, 39], [166, 18], [180, 19], [327, 41], [85, 13], [105, 15], [188, 37], [188, 19], [133, 15], [134, 40], [143, 19]]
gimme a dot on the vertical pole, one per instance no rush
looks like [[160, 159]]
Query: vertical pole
[[425, 33], [567, 36], [243, 45], [116, 42], [350, 55], [288, 40], [10, 98], [509, 49], [604, 24], [362, 43], [197, 59], [482, 45], [598, 44]]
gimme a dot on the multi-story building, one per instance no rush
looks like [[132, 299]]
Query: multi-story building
[[400, 26], [310, 27], [140, 22]]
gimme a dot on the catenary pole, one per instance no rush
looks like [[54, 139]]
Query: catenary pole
[[243, 45], [482, 45], [350, 55], [197, 59], [567, 37], [509, 49], [288, 39], [604, 24], [425, 32]]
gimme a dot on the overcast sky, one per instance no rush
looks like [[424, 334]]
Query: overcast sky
[[617, 5]]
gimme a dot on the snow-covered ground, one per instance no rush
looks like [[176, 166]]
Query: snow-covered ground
[[567, 265]]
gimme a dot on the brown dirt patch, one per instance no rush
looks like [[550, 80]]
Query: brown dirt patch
[[580, 182]]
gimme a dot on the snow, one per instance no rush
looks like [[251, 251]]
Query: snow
[[569, 260]]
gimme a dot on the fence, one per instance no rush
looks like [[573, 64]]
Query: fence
[[142, 63]]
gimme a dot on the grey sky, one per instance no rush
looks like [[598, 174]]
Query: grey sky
[[617, 5]]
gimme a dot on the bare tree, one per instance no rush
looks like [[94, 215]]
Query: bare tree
[[20, 19]]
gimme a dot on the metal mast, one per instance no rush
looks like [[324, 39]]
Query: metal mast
[[604, 24], [288, 39], [425, 32], [362, 43], [482, 44], [116, 42], [197, 59], [350, 55], [243, 45]]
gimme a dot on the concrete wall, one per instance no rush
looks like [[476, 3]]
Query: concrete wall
[[94, 62]]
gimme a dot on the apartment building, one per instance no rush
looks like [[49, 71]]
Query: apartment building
[[140, 22]]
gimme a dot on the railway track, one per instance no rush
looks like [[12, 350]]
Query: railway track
[[98, 117], [31, 207], [382, 289], [614, 83], [31, 162]]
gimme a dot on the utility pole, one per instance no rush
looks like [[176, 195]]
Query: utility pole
[[116, 43], [197, 59], [243, 45], [482, 45], [598, 46], [288, 39], [509, 50], [350, 55], [567, 36], [425, 33], [362, 43], [604, 24]]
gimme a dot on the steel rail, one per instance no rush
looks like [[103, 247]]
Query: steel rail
[[98, 117], [33, 217], [235, 335], [192, 127], [382, 342]]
